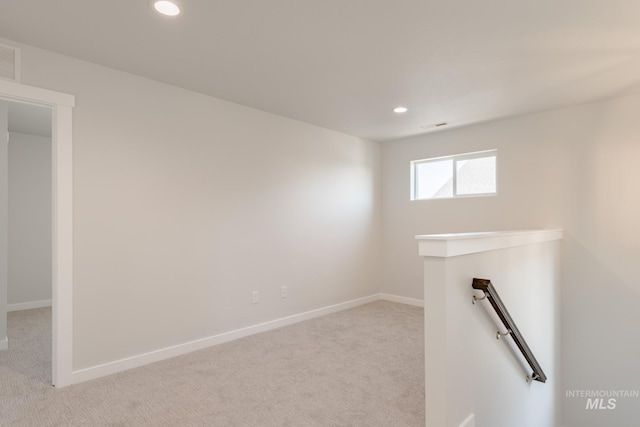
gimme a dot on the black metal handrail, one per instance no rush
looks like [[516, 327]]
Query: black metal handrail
[[490, 292]]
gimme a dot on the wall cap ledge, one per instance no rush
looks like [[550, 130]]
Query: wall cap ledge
[[456, 244]]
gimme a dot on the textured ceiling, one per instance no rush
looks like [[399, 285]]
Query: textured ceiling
[[344, 64]]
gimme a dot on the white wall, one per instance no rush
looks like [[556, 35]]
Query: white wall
[[529, 287], [484, 376], [4, 213], [574, 168], [29, 219], [184, 204], [524, 186]]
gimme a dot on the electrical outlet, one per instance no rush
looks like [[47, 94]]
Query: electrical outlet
[[283, 292], [254, 297]]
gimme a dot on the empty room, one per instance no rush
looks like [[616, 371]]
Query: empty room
[[364, 213]]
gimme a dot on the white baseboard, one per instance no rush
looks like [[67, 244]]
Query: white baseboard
[[180, 349], [402, 300], [4, 344], [29, 305]]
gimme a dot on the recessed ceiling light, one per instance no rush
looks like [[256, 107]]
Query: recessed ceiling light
[[169, 8], [400, 110]]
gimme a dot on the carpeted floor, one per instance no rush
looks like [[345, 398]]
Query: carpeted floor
[[359, 367]]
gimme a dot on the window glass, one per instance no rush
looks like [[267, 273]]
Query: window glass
[[476, 176], [435, 178], [463, 175]]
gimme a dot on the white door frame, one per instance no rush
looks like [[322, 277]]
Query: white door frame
[[62, 203]]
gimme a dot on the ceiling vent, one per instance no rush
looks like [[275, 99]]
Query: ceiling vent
[[434, 125], [9, 63]]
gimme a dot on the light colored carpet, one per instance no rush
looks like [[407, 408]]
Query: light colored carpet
[[359, 367]]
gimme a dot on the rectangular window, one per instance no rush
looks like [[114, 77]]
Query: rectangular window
[[463, 175]]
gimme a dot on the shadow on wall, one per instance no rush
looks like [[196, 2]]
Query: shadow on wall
[[599, 308]]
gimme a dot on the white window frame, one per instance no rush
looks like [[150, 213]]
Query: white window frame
[[455, 158]]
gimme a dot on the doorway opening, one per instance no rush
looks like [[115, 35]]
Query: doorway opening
[[29, 241], [58, 106]]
